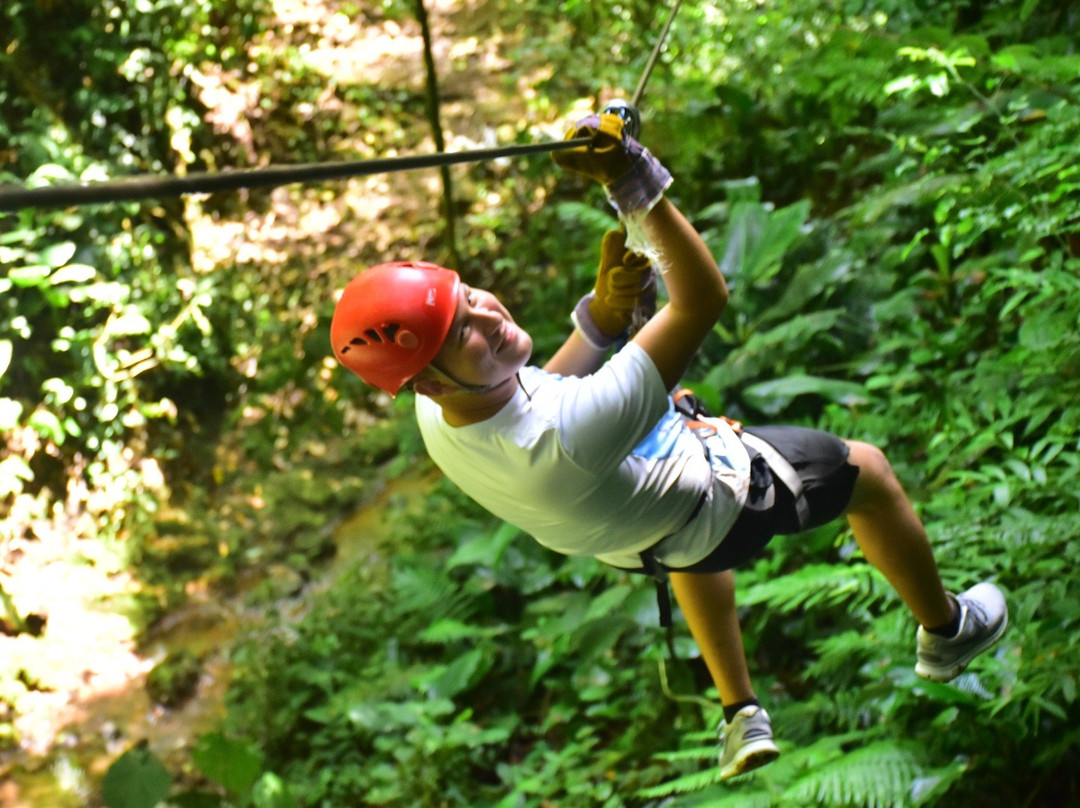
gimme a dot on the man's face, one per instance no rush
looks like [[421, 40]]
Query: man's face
[[484, 345]]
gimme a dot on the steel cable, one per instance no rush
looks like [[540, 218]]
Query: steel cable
[[635, 100], [153, 186]]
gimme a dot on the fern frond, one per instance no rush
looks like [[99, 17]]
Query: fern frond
[[725, 796], [445, 632], [702, 736], [881, 775], [696, 753], [421, 592], [822, 752], [817, 584], [971, 683], [846, 651], [687, 784]]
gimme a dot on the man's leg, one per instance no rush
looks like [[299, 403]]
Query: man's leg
[[891, 536], [707, 601], [952, 631]]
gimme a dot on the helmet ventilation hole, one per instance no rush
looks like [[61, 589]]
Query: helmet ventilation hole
[[390, 332]]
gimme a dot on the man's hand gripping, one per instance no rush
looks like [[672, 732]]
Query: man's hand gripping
[[625, 282], [633, 178]]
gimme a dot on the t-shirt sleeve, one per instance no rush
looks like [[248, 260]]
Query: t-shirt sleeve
[[607, 414]]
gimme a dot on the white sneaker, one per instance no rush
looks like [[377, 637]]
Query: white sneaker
[[747, 742], [983, 618]]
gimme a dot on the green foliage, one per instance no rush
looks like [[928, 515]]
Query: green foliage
[[173, 680], [103, 320], [964, 356], [892, 192], [839, 770], [234, 764], [797, 309], [137, 779], [473, 671]]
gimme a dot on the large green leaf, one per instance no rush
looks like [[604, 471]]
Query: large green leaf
[[137, 779], [31, 275], [462, 672], [483, 547], [235, 764], [56, 255], [774, 396], [73, 273], [761, 351], [46, 424], [389, 716], [758, 238], [809, 281], [14, 471], [1049, 327], [10, 410]]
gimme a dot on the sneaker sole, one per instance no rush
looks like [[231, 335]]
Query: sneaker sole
[[935, 674], [753, 756]]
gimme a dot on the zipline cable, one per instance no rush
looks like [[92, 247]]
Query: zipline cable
[[150, 186], [635, 100]]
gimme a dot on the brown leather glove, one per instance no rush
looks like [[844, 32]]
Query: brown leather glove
[[633, 178], [603, 160], [607, 312]]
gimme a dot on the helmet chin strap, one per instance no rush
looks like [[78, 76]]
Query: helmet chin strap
[[467, 388]]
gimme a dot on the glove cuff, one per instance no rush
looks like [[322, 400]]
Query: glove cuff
[[586, 325], [640, 188]]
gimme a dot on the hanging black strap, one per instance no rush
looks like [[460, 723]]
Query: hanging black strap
[[656, 571]]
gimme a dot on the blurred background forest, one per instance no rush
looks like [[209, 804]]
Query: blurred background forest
[[228, 574]]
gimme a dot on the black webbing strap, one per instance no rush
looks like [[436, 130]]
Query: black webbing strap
[[659, 573], [656, 571]]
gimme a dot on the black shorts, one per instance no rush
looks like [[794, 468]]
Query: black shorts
[[821, 461]]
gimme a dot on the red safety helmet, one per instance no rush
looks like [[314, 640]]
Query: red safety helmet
[[392, 320]]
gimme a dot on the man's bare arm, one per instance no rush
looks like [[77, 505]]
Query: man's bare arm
[[696, 289]]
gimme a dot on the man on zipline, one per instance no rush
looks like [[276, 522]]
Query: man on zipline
[[592, 455]]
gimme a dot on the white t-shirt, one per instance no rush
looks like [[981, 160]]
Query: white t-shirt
[[601, 465]]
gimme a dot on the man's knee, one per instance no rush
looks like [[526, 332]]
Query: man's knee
[[876, 482]]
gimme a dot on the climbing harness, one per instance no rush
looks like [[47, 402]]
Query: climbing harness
[[779, 466], [704, 426], [14, 198], [698, 419]]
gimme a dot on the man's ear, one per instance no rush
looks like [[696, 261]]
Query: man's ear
[[429, 385]]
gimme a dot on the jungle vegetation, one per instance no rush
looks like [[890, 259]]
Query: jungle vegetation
[[893, 190]]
